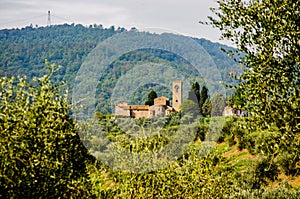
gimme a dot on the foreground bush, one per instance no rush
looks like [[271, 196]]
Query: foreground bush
[[41, 154]]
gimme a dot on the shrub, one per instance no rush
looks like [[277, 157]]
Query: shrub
[[227, 129], [230, 140], [282, 192], [240, 131], [289, 161], [201, 132]]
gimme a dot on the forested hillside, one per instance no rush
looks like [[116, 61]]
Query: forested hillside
[[23, 51]]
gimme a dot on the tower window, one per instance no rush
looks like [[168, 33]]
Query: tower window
[[176, 88]]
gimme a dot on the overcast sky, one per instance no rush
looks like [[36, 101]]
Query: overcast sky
[[180, 16]]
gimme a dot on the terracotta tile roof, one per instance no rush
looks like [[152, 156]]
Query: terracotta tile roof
[[136, 107]]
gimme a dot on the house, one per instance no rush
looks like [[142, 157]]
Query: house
[[229, 111], [161, 106]]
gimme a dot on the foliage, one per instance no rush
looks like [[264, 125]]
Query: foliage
[[200, 98], [151, 96], [267, 33], [189, 107], [227, 133], [203, 97], [238, 101], [24, 50], [41, 154], [218, 103], [193, 174], [192, 177], [201, 132], [206, 108], [194, 93], [173, 119]]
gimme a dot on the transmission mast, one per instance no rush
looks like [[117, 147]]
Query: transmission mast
[[49, 18]]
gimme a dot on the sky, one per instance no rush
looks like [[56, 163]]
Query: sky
[[177, 16]]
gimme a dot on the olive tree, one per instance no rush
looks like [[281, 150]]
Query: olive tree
[[267, 34], [41, 155]]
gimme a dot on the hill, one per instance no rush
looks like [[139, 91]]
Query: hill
[[24, 51]]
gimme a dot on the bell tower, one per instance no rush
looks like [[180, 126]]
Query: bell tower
[[177, 94]]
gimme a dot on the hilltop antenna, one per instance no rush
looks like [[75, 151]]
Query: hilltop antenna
[[49, 19]]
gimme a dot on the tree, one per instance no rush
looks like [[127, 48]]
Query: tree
[[151, 96], [203, 97], [206, 108], [41, 154], [218, 103], [194, 93], [189, 107], [198, 97], [235, 100], [266, 34]]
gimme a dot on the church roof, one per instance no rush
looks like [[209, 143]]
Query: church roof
[[162, 97], [135, 107]]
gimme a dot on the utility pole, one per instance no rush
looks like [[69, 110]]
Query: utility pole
[[49, 19]]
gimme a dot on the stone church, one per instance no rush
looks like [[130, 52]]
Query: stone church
[[161, 105]]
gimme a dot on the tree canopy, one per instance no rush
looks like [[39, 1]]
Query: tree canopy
[[151, 96], [41, 155], [267, 34], [194, 93], [203, 97]]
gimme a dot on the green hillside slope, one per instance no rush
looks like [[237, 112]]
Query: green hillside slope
[[24, 51]]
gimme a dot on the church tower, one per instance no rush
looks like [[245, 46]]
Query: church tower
[[177, 94]]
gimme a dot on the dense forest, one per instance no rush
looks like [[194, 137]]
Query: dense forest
[[23, 51]]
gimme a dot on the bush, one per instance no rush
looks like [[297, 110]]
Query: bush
[[41, 154], [230, 140], [282, 192], [288, 162], [240, 131], [201, 132], [227, 129]]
